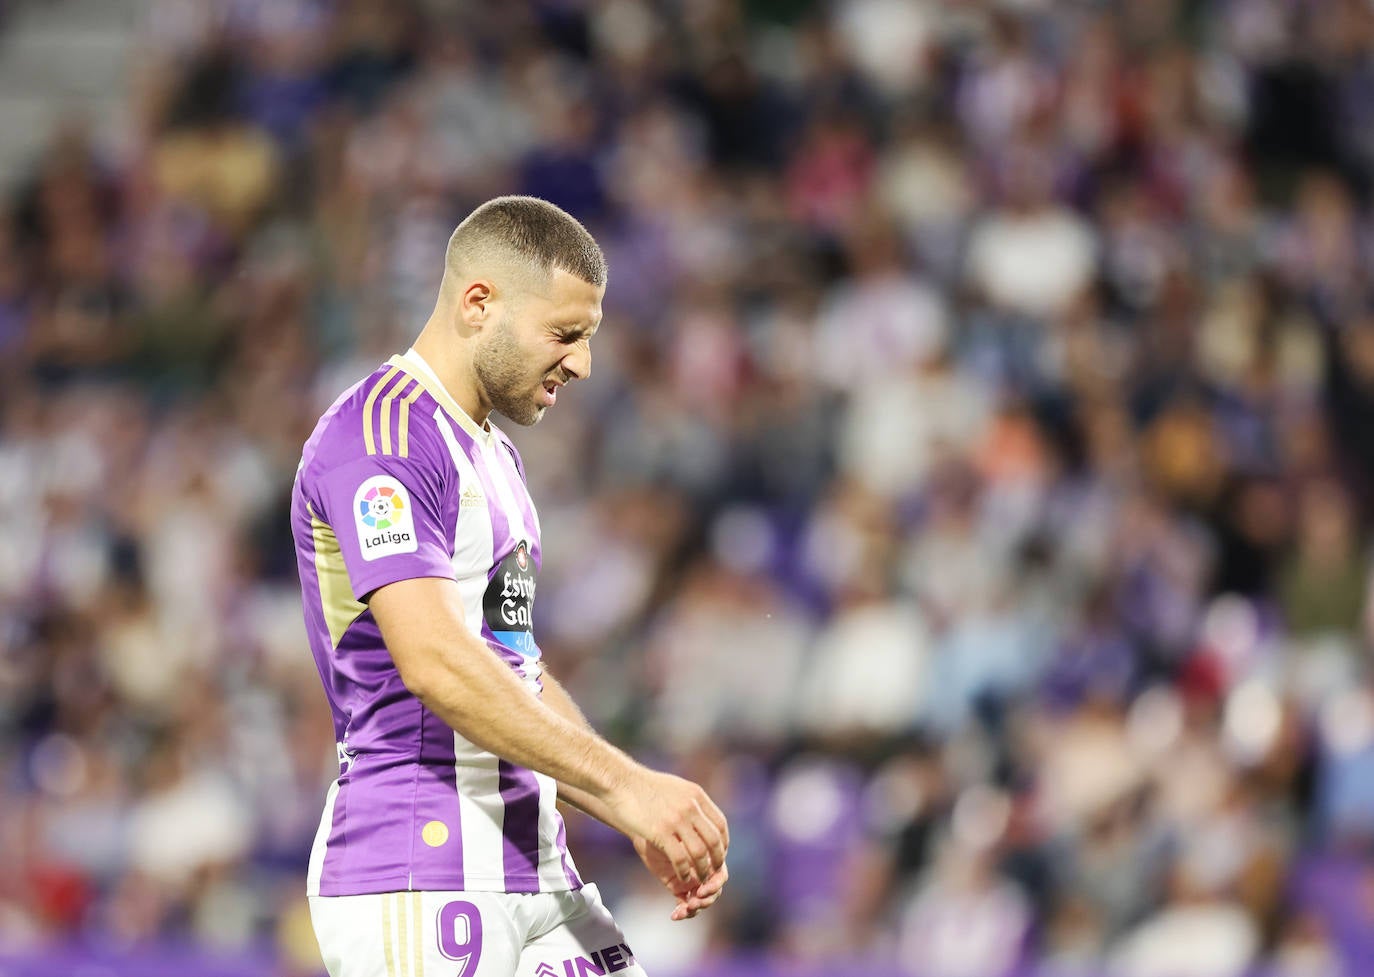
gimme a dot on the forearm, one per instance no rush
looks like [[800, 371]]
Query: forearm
[[557, 699], [482, 700], [478, 695], [453, 672]]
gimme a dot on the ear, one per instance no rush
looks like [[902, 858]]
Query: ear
[[477, 303]]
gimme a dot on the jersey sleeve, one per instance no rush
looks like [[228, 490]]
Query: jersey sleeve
[[387, 513]]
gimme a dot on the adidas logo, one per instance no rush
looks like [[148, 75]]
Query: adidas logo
[[471, 498]]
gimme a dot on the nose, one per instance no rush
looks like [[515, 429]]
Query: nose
[[578, 363]]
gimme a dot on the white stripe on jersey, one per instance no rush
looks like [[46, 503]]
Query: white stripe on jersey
[[473, 544], [551, 871], [316, 869], [481, 812]]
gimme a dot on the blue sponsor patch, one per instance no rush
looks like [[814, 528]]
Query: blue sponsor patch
[[521, 641]]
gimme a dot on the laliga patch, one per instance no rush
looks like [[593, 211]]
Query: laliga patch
[[386, 521]]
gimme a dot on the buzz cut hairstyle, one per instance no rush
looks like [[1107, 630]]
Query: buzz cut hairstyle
[[542, 233]]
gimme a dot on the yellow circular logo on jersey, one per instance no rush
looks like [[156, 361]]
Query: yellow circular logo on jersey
[[434, 834]]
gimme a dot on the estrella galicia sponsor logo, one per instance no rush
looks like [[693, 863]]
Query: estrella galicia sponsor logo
[[509, 601], [608, 960], [385, 518]]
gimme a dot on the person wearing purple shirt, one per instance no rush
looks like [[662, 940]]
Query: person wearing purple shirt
[[441, 847]]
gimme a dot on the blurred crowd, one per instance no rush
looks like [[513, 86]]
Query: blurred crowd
[[972, 489]]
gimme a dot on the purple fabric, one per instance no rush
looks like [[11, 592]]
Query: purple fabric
[[437, 800], [335, 463], [372, 832], [397, 774], [574, 881], [520, 792]]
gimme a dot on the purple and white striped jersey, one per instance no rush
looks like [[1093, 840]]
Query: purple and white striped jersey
[[398, 482]]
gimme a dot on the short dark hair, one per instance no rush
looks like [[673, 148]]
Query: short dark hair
[[535, 229]]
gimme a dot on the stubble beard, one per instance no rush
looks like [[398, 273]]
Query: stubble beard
[[500, 369]]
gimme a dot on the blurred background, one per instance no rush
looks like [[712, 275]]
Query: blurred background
[[973, 488]]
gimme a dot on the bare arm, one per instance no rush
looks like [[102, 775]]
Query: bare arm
[[689, 901], [557, 699], [460, 680]]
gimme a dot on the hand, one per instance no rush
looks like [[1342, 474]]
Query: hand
[[677, 819], [689, 901]]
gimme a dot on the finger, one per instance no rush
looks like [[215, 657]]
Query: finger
[[710, 887], [693, 905], [683, 864], [682, 911], [702, 901], [697, 907], [700, 850], [716, 845], [682, 892], [717, 818], [715, 883]]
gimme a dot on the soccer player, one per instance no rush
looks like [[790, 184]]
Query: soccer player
[[441, 850]]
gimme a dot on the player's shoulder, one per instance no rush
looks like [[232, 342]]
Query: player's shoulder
[[389, 414]]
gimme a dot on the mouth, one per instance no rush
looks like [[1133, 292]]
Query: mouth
[[550, 394]]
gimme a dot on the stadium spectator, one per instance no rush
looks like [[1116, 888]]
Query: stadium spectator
[[974, 490]]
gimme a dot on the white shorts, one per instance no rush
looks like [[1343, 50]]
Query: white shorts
[[471, 934]]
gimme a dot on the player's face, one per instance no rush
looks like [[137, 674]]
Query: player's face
[[537, 346]]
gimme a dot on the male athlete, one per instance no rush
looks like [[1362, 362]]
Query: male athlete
[[441, 851]]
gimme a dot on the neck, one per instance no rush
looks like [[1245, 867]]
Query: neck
[[452, 364]]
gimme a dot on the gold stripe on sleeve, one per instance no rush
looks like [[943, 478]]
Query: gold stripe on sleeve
[[368, 440], [386, 412], [403, 449], [386, 936], [336, 593], [416, 907], [437, 391]]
